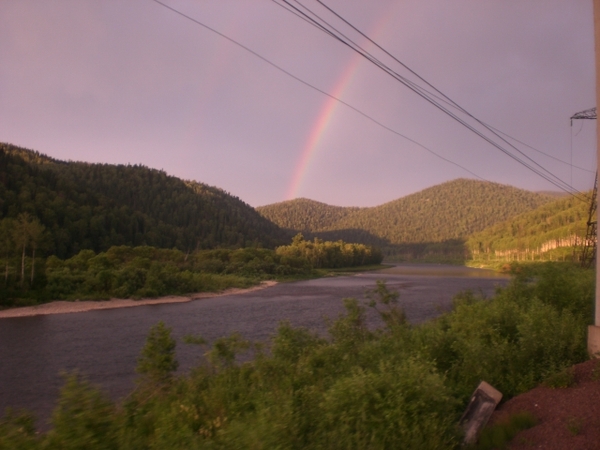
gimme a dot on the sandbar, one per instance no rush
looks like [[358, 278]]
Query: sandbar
[[65, 307]]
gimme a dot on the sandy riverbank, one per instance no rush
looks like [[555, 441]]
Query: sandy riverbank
[[64, 307]]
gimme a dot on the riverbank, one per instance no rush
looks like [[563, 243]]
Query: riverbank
[[66, 307]]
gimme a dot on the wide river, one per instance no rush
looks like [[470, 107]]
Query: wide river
[[104, 344]]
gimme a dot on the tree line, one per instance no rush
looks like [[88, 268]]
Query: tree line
[[144, 271], [328, 254]]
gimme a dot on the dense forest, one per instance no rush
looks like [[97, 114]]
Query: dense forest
[[95, 206], [304, 215], [72, 230], [435, 221], [552, 230]]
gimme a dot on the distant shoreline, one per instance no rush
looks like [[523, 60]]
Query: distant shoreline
[[67, 307]]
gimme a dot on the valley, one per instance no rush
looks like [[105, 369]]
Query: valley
[[327, 337]]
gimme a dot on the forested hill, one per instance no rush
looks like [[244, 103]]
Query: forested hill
[[561, 224], [96, 206], [304, 215], [447, 212], [451, 210]]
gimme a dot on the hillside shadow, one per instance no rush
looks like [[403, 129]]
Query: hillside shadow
[[450, 251], [354, 235]]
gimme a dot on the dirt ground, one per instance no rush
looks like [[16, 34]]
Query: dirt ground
[[567, 418]]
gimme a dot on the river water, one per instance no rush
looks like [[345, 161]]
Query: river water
[[104, 344]]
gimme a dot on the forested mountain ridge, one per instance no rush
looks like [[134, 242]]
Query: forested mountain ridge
[[96, 206], [560, 224], [449, 211], [304, 215]]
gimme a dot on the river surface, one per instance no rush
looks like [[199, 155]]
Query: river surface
[[104, 344]]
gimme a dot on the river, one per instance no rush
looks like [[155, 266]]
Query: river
[[104, 344]]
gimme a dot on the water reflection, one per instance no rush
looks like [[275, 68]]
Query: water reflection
[[442, 270]]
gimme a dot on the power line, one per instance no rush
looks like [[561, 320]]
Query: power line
[[452, 103], [414, 87], [281, 69], [322, 24], [541, 152], [587, 114]]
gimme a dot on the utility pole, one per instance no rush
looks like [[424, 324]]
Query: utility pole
[[594, 330], [588, 252], [590, 244]]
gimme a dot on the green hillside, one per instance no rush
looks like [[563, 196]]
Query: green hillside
[[96, 206], [304, 215], [452, 210], [435, 221], [550, 231]]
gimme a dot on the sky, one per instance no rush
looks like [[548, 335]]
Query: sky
[[133, 82]]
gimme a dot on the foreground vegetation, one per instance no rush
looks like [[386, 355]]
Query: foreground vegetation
[[398, 386], [136, 272]]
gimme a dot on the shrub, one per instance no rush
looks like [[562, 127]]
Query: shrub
[[17, 431], [406, 406], [84, 418], [560, 380], [157, 361], [497, 436]]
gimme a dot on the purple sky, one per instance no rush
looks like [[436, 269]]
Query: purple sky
[[132, 82]]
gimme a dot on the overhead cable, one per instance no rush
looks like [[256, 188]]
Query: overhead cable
[[313, 18], [348, 105]]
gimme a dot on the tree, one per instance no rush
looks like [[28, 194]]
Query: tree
[[27, 232], [7, 243], [298, 239], [84, 418], [36, 231], [157, 361], [21, 238]]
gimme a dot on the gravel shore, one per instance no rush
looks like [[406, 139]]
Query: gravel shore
[[64, 307]]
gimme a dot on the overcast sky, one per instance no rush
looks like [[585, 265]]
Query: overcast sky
[[133, 82]]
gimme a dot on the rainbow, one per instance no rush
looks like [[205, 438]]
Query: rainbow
[[324, 118], [319, 128]]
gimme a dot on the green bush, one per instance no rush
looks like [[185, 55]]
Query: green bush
[[404, 406], [84, 418], [513, 342], [157, 362], [17, 431], [560, 380], [497, 436]]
